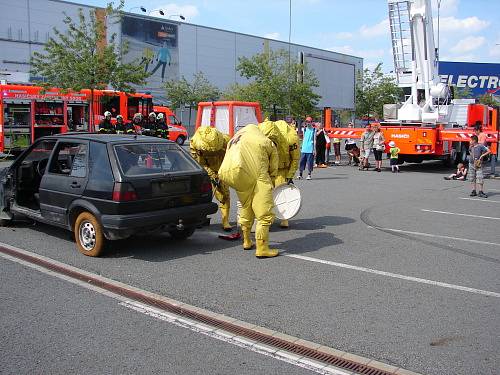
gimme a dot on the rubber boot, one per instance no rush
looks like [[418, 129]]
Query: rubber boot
[[263, 250], [224, 211], [247, 241], [284, 224]]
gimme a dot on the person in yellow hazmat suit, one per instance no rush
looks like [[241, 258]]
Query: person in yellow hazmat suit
[[282, 135], [208, 147], [250, 164]]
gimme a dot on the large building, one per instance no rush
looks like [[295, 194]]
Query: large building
[[169, 49]]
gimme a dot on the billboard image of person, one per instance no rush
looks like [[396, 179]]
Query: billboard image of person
[[154, 44]]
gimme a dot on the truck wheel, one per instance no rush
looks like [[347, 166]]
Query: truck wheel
[[463, 153], [182, 234], [89, 235], [5, 222], [180, 140]]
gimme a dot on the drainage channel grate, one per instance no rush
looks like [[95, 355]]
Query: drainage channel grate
[[235, 329]]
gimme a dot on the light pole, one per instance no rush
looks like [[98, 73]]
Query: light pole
[[178, 15], [143, 10]]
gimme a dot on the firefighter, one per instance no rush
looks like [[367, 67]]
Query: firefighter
[[136, 124], [290, 163], [162, 127], [105, 126], [208, 147], [149, 126], [250, 164], [120, 125]]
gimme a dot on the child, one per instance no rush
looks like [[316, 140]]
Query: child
[[394, 151], [460, 175]]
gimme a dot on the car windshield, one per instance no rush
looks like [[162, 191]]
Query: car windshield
[[141, 159]]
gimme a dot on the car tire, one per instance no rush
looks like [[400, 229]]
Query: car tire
[[182, 234], [89, 235], [5, 222], [180, 140]]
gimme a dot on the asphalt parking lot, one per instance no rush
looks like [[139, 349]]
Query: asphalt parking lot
[[402, 268]]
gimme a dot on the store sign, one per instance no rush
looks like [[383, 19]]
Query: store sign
[[479, 78]]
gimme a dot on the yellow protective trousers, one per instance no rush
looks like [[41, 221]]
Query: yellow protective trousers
[[221, 193], [257, 204]]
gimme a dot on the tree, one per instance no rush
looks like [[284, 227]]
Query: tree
[[462, 93], [489, 99], [373, 90], [80, 58], [189, 94], [277, 82]]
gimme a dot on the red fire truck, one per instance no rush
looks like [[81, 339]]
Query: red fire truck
[[29, 112]]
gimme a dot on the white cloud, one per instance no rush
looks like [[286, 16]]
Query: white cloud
[[188, 11], [272, 35], [343, 35], [366, 54], [379, 29], [448, 7], [495, 49], [464, 25], [468, 44], [467, 58]]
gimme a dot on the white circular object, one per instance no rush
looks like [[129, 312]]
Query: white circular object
[[287, 201]]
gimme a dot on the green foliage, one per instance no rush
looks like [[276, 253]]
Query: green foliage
[[189, 94], [278, 82], [462, 93], [488, 99], [373, 90], [81, 59]]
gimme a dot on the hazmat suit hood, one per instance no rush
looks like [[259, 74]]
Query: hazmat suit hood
[[209, 139], [271, 131]]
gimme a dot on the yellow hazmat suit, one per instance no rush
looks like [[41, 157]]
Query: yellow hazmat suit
[[208, 147], [288, 152], [250, 164]]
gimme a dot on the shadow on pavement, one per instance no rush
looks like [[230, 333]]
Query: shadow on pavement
[[315, 223], [310, 242]]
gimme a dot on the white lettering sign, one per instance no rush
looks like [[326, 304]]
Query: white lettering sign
[[400, 136], [461, 81]]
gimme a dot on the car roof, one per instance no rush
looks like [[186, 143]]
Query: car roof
[[107, 138]]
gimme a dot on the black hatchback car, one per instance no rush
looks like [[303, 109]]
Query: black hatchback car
[[107, 187]]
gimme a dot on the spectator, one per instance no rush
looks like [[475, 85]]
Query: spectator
[[320, 145], [477, 153], [394, 152], [461, 173], [366, 146], [350, 144], [378, 147], [307, 149], [482, 139]]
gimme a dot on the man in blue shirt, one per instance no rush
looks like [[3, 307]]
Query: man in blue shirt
[[307, 149]]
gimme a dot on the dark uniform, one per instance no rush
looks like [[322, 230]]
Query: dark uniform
[[129, 128], [120, 126], [161, 129], [149, 127], [105, 126]]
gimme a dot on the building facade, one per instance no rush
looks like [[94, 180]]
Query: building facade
[[168, 49]]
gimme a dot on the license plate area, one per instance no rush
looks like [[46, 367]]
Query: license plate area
[[170, 187]]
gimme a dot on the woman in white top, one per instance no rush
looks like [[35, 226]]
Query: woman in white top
[[350, 144], [378, 147]]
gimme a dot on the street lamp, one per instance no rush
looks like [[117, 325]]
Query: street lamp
[[141, 8], [178, 15], [162, 13]]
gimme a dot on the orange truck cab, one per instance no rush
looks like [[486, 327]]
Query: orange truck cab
[[228, 116], [176, 131]]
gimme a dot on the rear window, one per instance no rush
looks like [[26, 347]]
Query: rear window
[[153, 158]]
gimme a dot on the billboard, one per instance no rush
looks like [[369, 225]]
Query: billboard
[[155, 44], [479, 78]]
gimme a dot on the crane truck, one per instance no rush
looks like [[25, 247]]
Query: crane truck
[[429, 124]]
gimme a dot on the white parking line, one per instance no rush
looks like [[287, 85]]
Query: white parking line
[[457, 214], [396, 275], [439, 236], [480, 200]]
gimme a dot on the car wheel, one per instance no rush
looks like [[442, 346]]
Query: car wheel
[[180, 140], [89, 235], [5, 222], [182, 234]]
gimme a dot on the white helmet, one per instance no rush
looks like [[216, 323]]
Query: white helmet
[[160, 116], [152, 114], [107, 114], [119, 117]]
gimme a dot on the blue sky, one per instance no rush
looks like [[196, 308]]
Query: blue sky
[[469, 28]]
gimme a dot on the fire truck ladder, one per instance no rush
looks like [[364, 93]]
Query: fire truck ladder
[[399, 20]]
